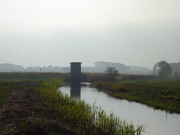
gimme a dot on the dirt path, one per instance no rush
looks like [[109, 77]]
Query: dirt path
[[21, 115]]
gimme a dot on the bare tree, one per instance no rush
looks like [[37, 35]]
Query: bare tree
[[111, 73], [162, 69]]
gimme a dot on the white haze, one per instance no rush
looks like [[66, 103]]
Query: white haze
[[56, 32]]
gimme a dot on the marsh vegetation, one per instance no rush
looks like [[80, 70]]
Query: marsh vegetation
[[35, 106], [87, 119], [160, 94]]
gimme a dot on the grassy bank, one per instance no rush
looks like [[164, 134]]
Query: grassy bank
[[6, 88], [4, 91], [39, 108], [160, 94], [85, 119]]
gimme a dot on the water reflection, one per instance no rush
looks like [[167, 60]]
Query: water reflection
[[75, 91], [156, 122]]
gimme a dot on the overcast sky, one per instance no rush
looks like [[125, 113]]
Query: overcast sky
[[56, 32]]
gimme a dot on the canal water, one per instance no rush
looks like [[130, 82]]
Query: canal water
[[156, 122]]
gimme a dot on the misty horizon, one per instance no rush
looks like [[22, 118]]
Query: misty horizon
[[132, 32]]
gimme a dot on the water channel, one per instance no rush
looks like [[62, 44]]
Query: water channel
[[156, 122]]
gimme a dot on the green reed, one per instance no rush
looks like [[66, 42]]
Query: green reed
[[159, 94], [86, 118]]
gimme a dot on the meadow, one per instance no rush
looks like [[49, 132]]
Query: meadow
[[158, 93], [47, 111], [5, 91], [7, 87], [34, 76]]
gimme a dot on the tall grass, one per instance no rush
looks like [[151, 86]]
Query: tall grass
[[160, 94], [92, 119]]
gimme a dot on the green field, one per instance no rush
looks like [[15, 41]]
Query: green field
[[37, 107], [6, 88], [159, 94], [4, 91], [10, 81], [34, 76]]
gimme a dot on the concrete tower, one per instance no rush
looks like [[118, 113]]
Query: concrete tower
[[76, 72]]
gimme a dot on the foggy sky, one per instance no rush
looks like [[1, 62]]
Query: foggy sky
[[56, 32]]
